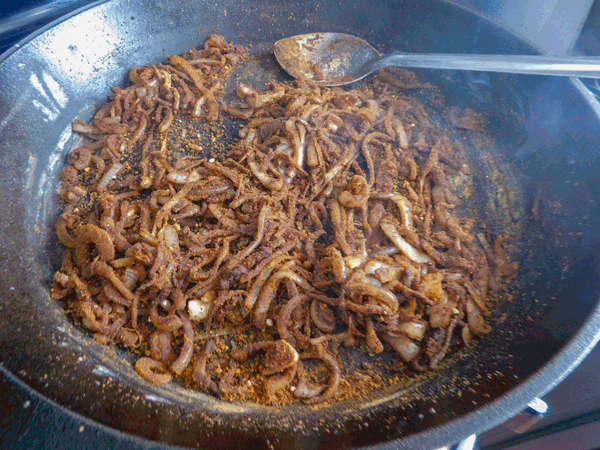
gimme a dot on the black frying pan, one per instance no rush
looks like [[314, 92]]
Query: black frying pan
[[546, 132]]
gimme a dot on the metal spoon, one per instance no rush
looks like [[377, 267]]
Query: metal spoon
[[335, 59]]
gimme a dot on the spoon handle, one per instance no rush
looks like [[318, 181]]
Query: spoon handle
[[569, 66]]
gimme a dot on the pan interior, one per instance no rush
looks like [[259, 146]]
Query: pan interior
[[68, 72]]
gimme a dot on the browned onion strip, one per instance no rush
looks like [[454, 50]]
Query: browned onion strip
[[371, 337], [238, 112], [367, 309], [441, 215], [173, 201], [338, 265], [405, 211], [268, 293], [81, 157], [153, 371], [285, 313], [259, 282], [82, 128], [199, 374], [195, 76], [383, 295], [160, 347], [400, 132], [410, 292], [167, 323], [406, 348], [197, 108], [280, 355], [279, 381], [63, 234], [185, 355], [412, 253], [305, 389], [357, 194], [101, 268], [322, 316], [165, 124], [334, 378], [336, 222], [260, 232], [447, 260], [226, 381], [262, 176], [475, 319], [435, 360], [249, 350], [114, 296], [91, 234], [139, 131], [257, 100]]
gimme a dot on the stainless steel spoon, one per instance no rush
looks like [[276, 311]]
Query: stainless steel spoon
[[335, 59]]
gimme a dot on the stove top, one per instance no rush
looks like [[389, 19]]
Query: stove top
[[28, 421]]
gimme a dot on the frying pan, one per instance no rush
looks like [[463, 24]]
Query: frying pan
[[546, 132]]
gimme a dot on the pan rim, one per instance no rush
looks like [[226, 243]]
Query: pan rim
[[513, 401]]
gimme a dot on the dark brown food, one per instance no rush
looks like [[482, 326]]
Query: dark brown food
[[329, 223]]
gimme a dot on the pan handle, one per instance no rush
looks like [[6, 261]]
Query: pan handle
[[536, 410], [465, 444]]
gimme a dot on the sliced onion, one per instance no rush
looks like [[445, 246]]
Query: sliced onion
[[148, 238], [382, 271], [153, 371], [467, 337], [165, 124], [81, 127], [141, 92], [284, 147], [413, 329], [338, 265], [280, 356], [400, 132], [198, 309], [372, 280], [244, 91], [197, 109], [354, 261], [112, 120], [182, 178], [405, 211], [187, 349], [169, 233], [406, 348], [163, 199], [384, 296], [322, 316], [262, 176], [279, 381], [91, 234], [108, 176], [412, 253], [130, 279], [187, 240], [475, 319]]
